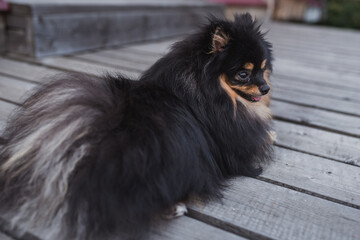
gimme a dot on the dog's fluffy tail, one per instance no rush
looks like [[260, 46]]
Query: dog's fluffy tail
[[48, 146]]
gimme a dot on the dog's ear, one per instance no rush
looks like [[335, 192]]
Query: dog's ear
[[244, 19], [219, 40]]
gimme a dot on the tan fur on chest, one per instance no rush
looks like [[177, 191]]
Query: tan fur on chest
[[257, 109]]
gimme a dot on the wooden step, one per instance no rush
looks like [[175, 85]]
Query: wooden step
[[39, 28]]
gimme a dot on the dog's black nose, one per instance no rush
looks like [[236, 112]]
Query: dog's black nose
[[264, 89]]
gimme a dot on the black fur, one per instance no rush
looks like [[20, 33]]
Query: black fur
[[149, 144]]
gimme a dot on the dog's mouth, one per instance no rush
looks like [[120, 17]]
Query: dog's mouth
[[250, 98], [255, 99]]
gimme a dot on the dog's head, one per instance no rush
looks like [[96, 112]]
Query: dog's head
[[243, 57]]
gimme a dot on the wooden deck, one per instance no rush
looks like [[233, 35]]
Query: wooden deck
[[312, 190]]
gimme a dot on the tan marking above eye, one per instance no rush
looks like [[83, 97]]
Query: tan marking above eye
[[249, 66], [263, 64]]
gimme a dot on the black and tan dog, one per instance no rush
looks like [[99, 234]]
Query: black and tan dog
[[89, 158]]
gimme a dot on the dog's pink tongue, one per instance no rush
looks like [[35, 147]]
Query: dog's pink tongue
[[256, 98]]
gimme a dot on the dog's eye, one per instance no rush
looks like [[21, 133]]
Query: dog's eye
[[243, 76]]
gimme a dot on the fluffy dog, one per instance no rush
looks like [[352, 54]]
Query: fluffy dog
[[102, 158]]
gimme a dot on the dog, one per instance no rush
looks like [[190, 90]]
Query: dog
[[104, 157]]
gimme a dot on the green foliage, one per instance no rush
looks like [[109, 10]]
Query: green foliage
[[343, 13]]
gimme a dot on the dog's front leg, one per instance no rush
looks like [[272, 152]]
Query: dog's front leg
[[177, 210]]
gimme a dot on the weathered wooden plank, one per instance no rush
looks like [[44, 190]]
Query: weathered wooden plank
[[110, 61], [339, 39], [322, 62], [342, 106], [328, 96], [190, 229], [282, 49], [176, 229], [316, 117], [319, 32], [31, 70], [278, 213], [129, 55], [56, 65], [319, 83], [318, 142], [75, 65], [310, 36], [5, 110], [334, 180], [317, 46], [25, 70], [306, 70], [122, 58], [13, 89], [156, 48], [5, 237], [331, 89]]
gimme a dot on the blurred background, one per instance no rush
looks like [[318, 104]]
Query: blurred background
[[39, 28]]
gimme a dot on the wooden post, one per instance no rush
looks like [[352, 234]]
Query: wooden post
[[4, 7]]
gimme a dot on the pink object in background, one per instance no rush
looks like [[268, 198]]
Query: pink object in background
[[4, 6]]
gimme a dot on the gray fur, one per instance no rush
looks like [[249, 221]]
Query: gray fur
[[43, 148]]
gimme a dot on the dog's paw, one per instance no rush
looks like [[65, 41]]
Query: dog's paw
[[273, 136], [176, 211]]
